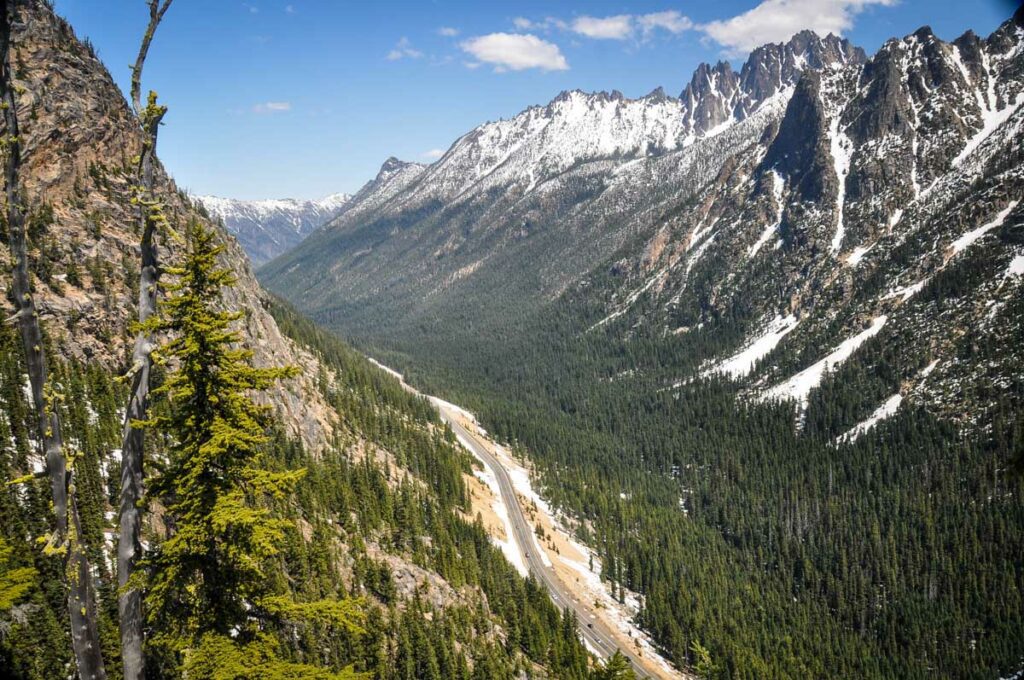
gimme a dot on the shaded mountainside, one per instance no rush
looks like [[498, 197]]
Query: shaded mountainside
[[386, 510], [267, 228], [773, 370]]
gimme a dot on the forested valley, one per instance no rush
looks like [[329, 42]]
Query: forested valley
[[758, 535]]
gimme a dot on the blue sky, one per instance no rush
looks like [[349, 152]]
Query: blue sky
[[302, 98]]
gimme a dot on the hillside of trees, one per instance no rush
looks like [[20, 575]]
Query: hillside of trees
[[747, 530]]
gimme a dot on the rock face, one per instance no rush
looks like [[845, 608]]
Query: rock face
[[883, 189], [717, 95], [818, 191], [79, 141], [265, 229]]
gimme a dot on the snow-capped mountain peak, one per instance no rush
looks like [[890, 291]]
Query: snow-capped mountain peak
[[266, 228], [577, 127], [717, 96]]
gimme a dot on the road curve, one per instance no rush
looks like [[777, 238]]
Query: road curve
[[593, 628]]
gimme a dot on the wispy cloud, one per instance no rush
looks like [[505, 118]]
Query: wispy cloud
[[404, 49], [433, 154], [272, 107], [515, 52], [778, 20], [448, 31], [769, 21], [253, 9], [289, 9], [671, 21], [545, 24], [618, 27]]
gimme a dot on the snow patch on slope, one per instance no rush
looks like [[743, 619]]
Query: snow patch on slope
[[1016, 266], [841, 147], [991, 119], [887, 409], [743, 363], [800, 385], [857, 255], [777, 186], [970, 237]]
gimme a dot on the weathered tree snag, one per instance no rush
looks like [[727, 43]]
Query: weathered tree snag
[[129, 546], [67, 539]]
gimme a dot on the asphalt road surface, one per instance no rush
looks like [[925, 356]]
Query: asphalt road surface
[[596, 632]]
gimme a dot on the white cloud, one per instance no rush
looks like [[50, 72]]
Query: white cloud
[[618, 27], [253, 9], [272, 107], [779, 20], [433, 154], [403, 49], [671, 21], [522, 23], [448, 31], [513, 52], [289, 9]]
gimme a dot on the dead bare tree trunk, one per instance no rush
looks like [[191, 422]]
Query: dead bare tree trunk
[[129, 546], [81, 603]]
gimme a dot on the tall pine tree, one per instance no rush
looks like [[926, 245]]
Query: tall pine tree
[[15, 582], [212, 599]]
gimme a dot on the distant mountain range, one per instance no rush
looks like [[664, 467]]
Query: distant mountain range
[[811, 185], [267, 228]]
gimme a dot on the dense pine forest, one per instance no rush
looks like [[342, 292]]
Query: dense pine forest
[[749, 531]]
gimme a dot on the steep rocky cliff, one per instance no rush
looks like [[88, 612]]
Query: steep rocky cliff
[[80, 139]]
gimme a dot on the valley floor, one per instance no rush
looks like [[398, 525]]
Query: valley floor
[[536, 541]]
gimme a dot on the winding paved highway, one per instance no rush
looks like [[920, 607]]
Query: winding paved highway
[[593, 628]]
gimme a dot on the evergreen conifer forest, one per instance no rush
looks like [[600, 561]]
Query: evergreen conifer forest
[[727, 385]]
